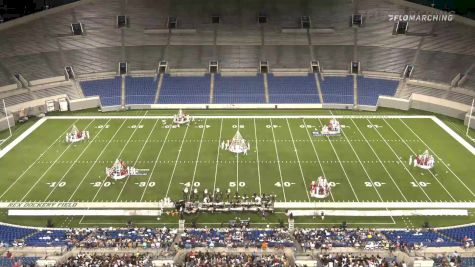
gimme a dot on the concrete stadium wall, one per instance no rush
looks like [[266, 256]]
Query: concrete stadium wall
[[4, 122], [337, 106], [84, 103], [440, 106], [34, 107], [394, 102]]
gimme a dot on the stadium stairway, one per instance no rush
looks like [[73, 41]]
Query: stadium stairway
[[159, 87]]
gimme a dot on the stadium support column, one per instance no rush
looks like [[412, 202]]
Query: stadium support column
[[211, 89], [159, 86], [266, 87]]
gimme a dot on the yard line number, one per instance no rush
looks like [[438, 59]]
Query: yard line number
[[54, 184], [374, 184], [136, 126], [104, 126], [421, 184]]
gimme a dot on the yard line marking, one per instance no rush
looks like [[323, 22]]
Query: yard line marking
[[379, 159], [155, 164], [217, 157], [97, 158], [138, 157], [364, 169], [341, 164], [443, 162], [74, 162], [298, 160], [430, 171], [120, 153], [176, 162], [402, 163], [316, 154], [278, 160], [37, 159], [49, 168], [198, 156], [258, 165]]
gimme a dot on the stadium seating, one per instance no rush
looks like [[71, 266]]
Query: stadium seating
[[237, 90], [24, 261], [109, 90], [426, 238], [370, 89], [140, 90], [292, 89], [184, 90], [25, 96], [234, 238], [47, 238], [8, 234], [59, 90], [458, 234], [337, 90], [468, 262]]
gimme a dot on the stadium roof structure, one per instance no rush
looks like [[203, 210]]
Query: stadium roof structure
[[41, 45]]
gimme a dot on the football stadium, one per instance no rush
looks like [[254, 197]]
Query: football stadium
[[237, 133]]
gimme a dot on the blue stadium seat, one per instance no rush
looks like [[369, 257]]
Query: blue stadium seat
[[109, 90], [184, 90], [427, 238], [237, 90], [24, 261], [292, 89], [337, 90], [458, 234], [47, 238], [370, 89], [8, 234], [140, 90]]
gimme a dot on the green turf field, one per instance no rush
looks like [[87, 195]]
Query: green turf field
[[367, 163]]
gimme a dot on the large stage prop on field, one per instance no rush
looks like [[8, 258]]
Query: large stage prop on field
[[236, 145], [424, 161], [333, 128], [75, 135], [181, 118], [320, 188]]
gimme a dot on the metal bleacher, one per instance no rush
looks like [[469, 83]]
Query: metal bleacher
[[248, 89], [58, 90], [292, 89]]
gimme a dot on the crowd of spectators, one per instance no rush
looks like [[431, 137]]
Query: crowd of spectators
[[116, 260], [326, 238], [208, 259], [121, 238], [349, 260], [235, 237]]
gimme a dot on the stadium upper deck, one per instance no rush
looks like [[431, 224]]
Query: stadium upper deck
[[40, 45]]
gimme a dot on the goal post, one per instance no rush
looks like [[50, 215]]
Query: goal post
[[470, 115], [4, 111]]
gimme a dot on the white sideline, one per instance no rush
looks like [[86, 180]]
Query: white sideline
[[452, 133], [83, 212], [251, 117], [381, 213], [277, 205], [22, 136]]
